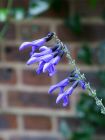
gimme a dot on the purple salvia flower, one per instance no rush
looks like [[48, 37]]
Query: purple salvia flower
[[40, 67], [60, 85], [45, 58], [47, 51], [48, 57], [82, 84], [76, 76], [37, 43], [51, 70], [66, 94], [43, 48], [51, 64]]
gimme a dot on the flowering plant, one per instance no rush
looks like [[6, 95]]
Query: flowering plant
[[48, 58]]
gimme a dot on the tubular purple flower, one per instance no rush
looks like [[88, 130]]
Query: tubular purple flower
[[40, 67], [82, 84], [43, 48], [47, 51], [60, 85], [51, 70], [45, 58], [25, 45], [65, 101], [76, 76], [52, 62], [37, 43], [67, 93]]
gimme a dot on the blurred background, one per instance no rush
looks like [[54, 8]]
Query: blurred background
[[27, 112]]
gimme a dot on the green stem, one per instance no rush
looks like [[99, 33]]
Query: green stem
[[5, 27]]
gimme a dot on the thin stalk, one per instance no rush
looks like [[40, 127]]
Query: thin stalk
[[5, 27]]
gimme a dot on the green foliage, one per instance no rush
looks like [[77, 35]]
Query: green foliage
[[93, 3], [101, 53], [101, 76], [85, 133], [91, 120], [64, 129], [89, 112], [84, 54], [74, 23], [56, 5]]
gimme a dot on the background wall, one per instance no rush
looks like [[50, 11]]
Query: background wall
[[27, 112]]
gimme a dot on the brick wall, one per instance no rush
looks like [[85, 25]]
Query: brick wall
[[27, 112]]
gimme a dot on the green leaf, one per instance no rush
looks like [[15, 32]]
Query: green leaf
[[57, 5], [101, 53], [91, 115], [84, 54], [101, 76], [74, 23], [93, 3]]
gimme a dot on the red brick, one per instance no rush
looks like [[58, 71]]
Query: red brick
[[34, 100], [10, 33], [37, 123], [33, 31], [31, 78], [13, 54], [7, 76], [89, 33], [8, 121]]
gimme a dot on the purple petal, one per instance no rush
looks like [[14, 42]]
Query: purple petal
[[65, 101], [53, 61], [33, 50], [61, 84], [64, 96], [47, 58], [82, 83], [51, 70], [69, 91], [38, 43], [46, 66], [25, 45], [32, 60], [60, 97], [40, 67], [47, 51], [56, 60], [43, 48]]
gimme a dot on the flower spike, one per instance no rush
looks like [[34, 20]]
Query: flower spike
[[48, 58]]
